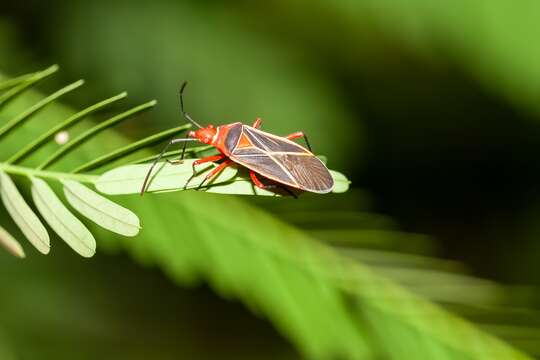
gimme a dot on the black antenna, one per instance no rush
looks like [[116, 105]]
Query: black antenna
[[185, 114]]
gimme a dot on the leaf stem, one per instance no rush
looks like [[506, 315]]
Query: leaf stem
[[131, 148], [63, 151], [25, 115], [71, 121], [54, 175]]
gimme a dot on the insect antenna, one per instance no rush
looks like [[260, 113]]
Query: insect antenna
[[185, 114], [147, 177]]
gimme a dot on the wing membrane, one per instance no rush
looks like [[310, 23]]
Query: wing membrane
[[284, 161], [308, 171], [272, 143]]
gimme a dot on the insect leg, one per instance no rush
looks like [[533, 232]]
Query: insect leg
[[257, 123], [202, 161], [181, 160], [260, 185], [207, 159], [297, 135], [183, 152], [288, 191], [256, 180], [173, 141], [215, 172]]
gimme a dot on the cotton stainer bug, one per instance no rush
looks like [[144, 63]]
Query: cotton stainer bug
[[273, 157]]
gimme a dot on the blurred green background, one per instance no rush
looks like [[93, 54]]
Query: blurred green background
[[430, 107]]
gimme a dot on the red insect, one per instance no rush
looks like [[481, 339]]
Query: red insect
[[273, 157]]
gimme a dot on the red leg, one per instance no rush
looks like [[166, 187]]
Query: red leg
[[206, 159], [218, 169], [260, 185], [299, 134], [255, 180], [295, 135], [202, 161], [257, 123], [215, 171]]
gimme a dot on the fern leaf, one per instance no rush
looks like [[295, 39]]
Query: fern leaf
[[66, 124], [81, 139], [28, 113], [91, 205]]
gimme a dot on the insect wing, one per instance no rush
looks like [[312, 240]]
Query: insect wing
[[281, 160]]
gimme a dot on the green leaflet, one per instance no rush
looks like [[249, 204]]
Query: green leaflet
[[167, 177], [70, 121], [341, 183], [20, 86], [129, 179], [37, 107], [10, 244], [84, 137], [10, 83], [23, 215], [100, 210], [131, 148], [63, 222]]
